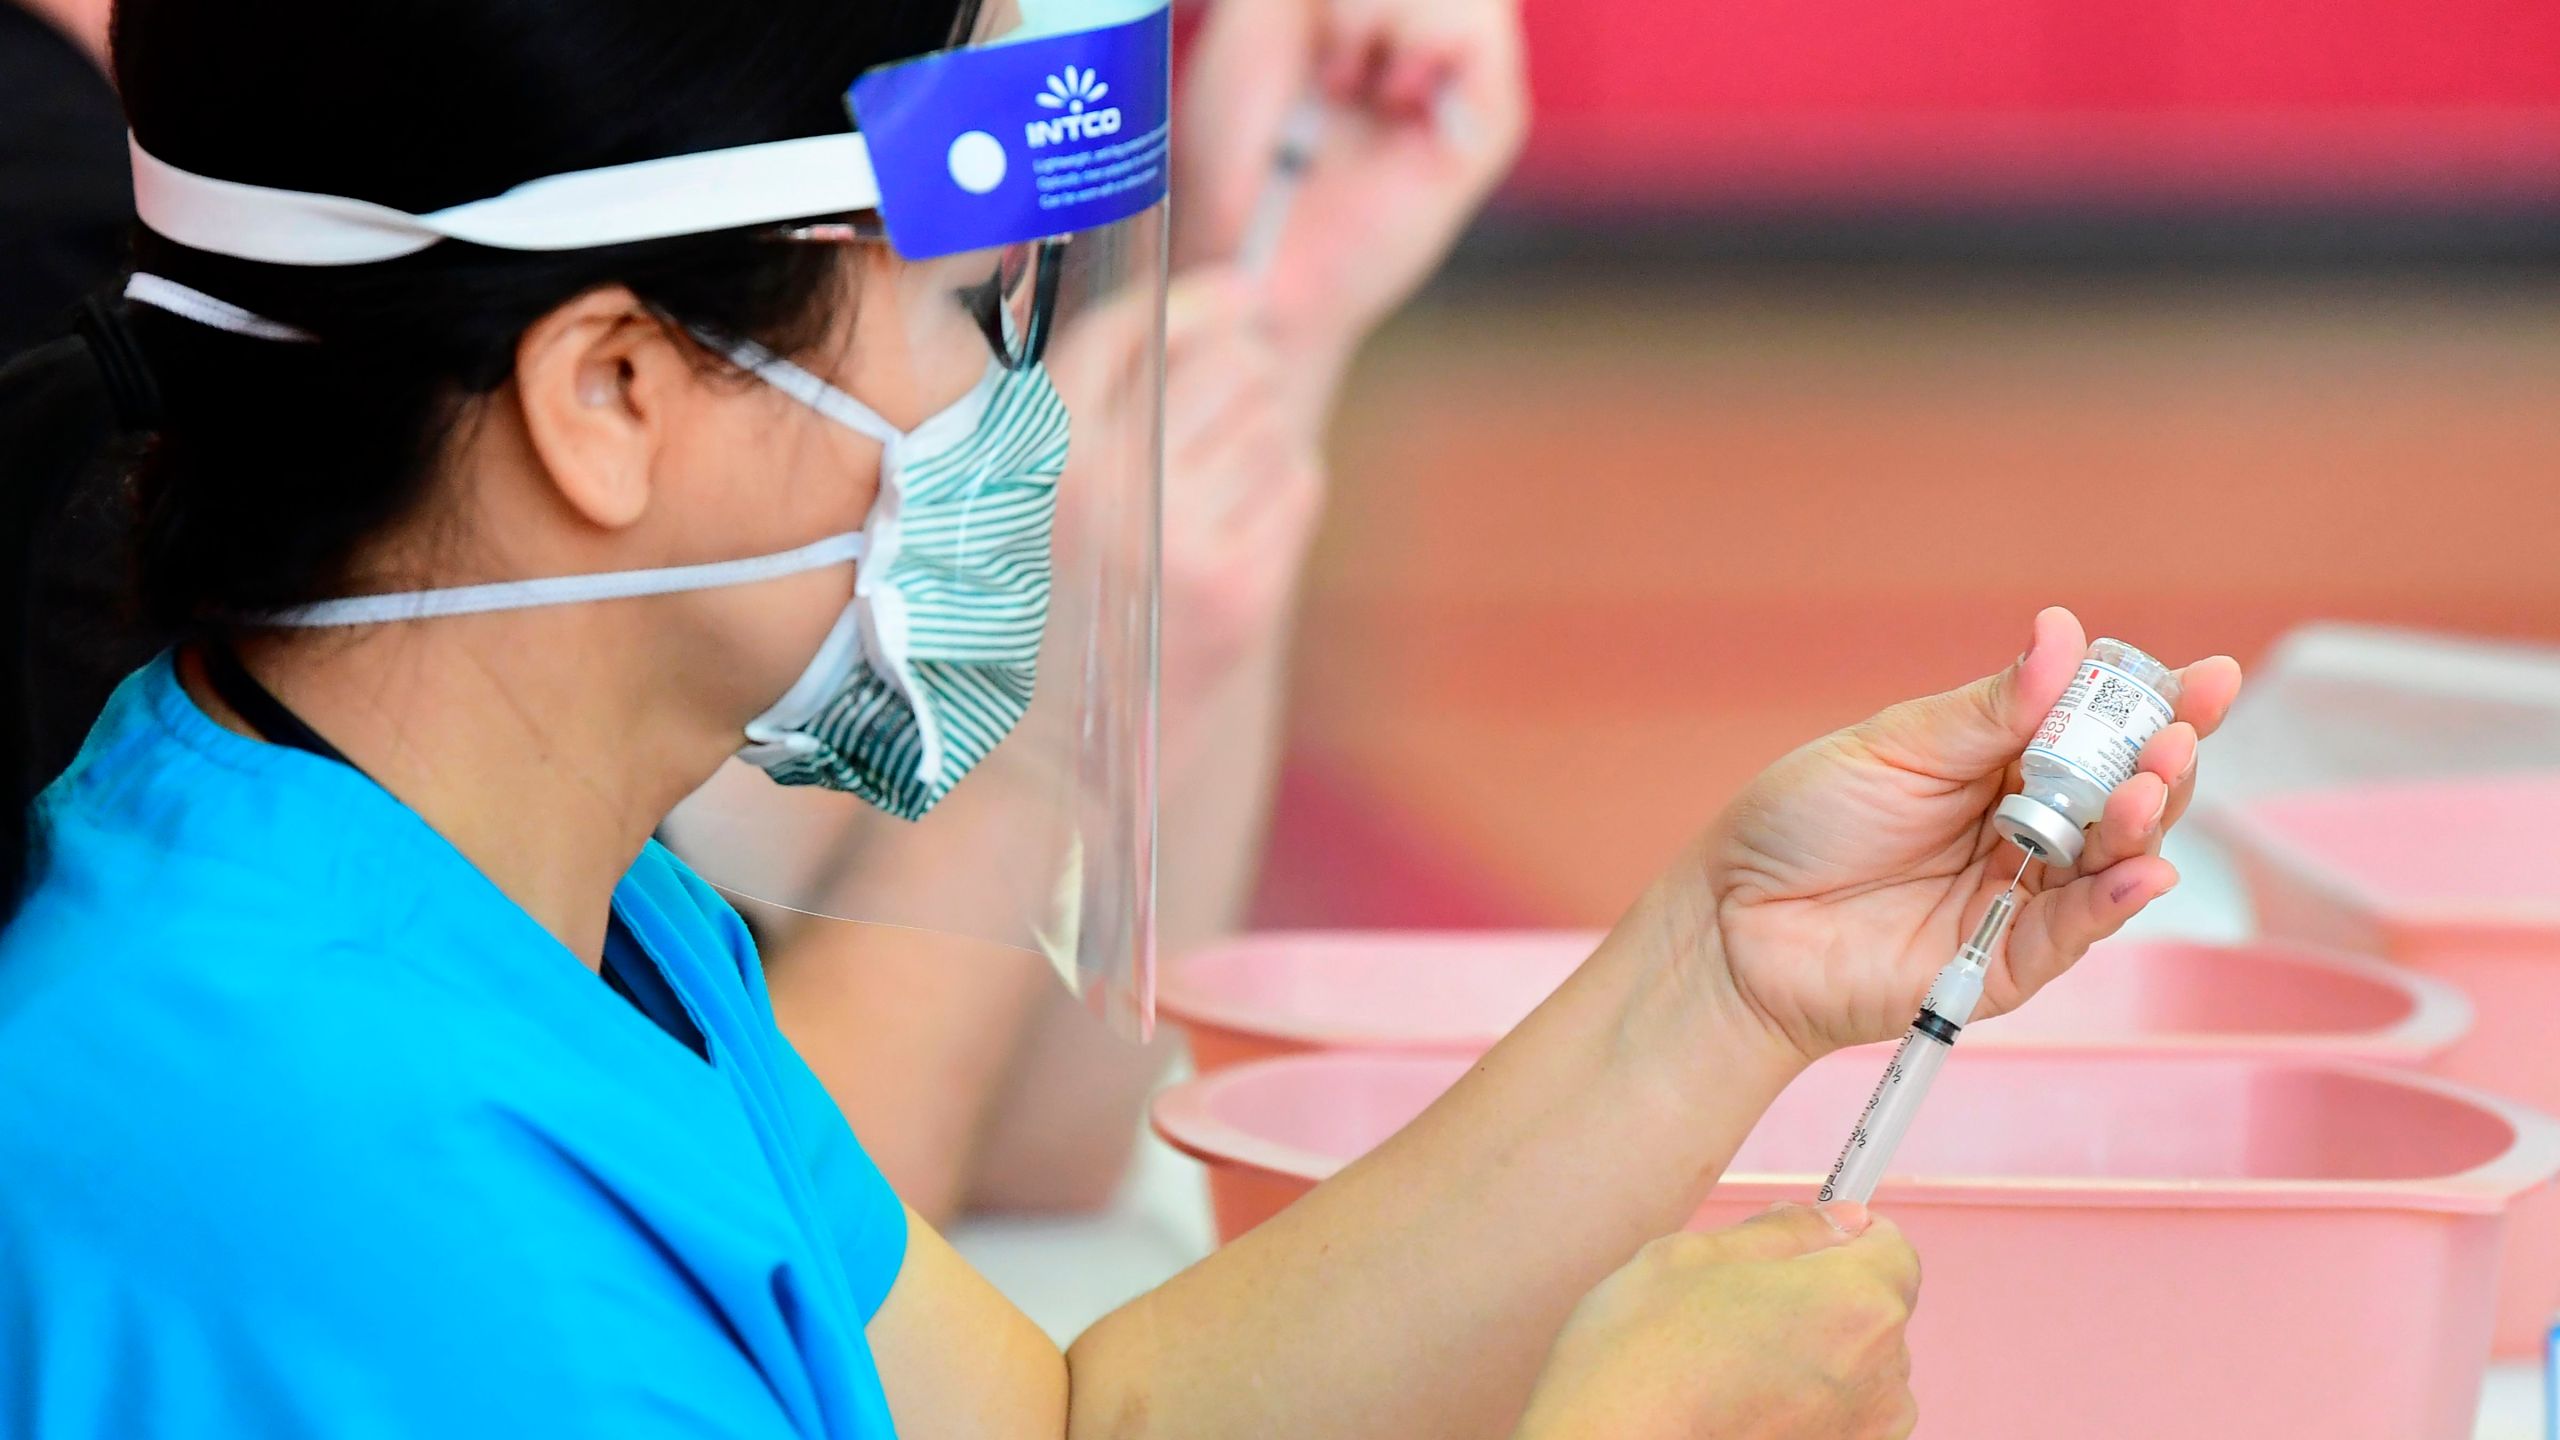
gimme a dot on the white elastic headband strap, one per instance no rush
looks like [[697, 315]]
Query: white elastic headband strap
[[565, 589], [648, 200]]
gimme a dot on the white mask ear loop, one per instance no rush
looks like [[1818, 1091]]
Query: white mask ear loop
[[566, 589], [807, 388], [187, 302]]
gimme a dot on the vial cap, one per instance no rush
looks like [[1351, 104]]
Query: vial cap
[[2039, 827]]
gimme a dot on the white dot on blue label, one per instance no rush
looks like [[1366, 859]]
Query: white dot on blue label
[[977, 162]]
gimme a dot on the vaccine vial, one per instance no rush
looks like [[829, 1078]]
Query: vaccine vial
[[2086, 748]]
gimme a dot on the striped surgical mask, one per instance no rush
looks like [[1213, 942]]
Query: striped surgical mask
[[932, 663]]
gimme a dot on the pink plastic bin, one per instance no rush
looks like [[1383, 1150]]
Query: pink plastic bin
[[2455, 880], [1283, 994], [2118, 1248]]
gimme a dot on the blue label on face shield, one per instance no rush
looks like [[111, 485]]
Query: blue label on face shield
[[1022, 139]]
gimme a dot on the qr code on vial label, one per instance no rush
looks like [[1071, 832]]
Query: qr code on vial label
[[2114, 702]]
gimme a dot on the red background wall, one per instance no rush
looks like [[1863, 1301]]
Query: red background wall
[[1674, 99]]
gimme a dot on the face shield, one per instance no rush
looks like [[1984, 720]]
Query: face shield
[[1022, 183], [973, 758]]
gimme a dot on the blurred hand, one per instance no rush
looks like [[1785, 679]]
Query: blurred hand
[[85, 21], [1850, 871], [1426, 106], [1242, 487], [1780, 1328], [1242, 492]]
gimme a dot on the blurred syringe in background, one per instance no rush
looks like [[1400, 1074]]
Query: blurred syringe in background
[[1301, 132]]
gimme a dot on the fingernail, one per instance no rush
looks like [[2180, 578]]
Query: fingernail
[[2160, 809], [1846, 1216]]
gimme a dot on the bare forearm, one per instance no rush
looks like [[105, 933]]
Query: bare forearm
[[1060, 1135], [1218, 804], [1415, 1293], [913, 1034], [1321, 351]]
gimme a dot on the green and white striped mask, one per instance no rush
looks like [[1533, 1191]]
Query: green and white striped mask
[[932, 664]]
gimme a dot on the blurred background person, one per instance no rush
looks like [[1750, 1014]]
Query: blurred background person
[[974, 1081], [65, 197]]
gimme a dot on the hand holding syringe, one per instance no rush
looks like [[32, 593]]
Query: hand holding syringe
[[1301, 132], [2087, 746]]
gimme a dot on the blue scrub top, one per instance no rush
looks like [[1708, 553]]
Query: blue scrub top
[[307, 1130]]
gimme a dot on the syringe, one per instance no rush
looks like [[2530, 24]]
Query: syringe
[[1924, 1049], [1300, 132]]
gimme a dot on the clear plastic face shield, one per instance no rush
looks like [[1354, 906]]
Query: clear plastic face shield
[[970, 762], [1022, 185]]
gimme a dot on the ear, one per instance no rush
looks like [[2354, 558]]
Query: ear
[[599, 379]]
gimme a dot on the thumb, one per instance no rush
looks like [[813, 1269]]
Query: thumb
[[1971, 732], [1783, 1232]]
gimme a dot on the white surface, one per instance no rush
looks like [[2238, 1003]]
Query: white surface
[[1068, 1273], [2511, 1404], [2337, 703]]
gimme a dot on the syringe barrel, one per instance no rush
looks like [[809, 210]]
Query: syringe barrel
[[1300, 132], [1906, 1081], [1950, 1003]]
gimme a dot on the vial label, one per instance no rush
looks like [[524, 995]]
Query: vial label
[[2102, 723]]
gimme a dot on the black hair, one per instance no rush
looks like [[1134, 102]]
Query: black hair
[[268, 465]]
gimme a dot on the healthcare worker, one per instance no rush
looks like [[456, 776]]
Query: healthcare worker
[[554, 401], [1025, 1105]]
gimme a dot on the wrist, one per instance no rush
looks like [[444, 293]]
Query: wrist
[[1315, 359], [1687, 1020]]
